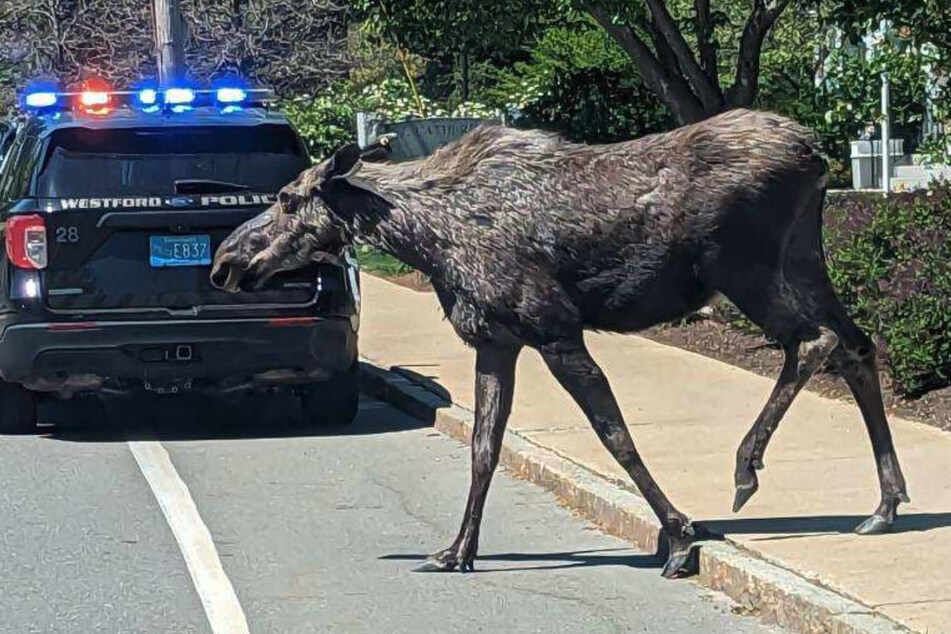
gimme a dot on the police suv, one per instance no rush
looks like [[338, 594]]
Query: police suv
[[113, 204]]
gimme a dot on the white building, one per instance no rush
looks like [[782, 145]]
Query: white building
[[906, 171]]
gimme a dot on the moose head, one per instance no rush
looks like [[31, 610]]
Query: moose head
[[313, 219]]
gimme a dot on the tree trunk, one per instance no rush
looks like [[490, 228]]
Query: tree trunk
[[690, 88], [169, 41]]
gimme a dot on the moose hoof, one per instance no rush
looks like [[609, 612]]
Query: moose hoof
[[874, 525], [744, 491], [441, 562], [684, 557], [682, 563]]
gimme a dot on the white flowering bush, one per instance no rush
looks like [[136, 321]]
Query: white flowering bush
[[394, 100]]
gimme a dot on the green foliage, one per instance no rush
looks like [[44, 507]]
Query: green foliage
[[456, 35], [841, 96], [922, 21], [328, 121], [379, 263], [890, 262], [393, 100], [325, 122], [580, 82]]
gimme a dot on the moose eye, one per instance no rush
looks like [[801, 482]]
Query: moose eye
[[289, 201]]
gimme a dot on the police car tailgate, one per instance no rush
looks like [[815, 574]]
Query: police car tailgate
[[127, 254]]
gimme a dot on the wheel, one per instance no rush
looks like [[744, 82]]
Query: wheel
[[334, 402], [17, 409]]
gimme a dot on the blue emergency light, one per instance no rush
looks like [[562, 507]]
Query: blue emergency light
[[148, 96], [179, 96], [231, 95], [228, 97], [40, 99]]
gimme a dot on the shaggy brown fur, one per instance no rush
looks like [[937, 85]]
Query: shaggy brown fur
[[529, 240]]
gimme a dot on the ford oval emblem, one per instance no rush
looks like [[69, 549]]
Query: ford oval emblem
[[179, 202]]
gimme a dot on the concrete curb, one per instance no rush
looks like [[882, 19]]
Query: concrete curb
[[776, 594]]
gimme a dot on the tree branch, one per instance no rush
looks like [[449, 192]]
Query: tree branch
[[710, 96], [662, 51], [670, 89], [761, 20], [706, 42]]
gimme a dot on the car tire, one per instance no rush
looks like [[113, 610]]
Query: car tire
[[17, 409], [331, 403]]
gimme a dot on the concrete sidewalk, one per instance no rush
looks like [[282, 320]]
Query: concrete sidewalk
[[687, 414]]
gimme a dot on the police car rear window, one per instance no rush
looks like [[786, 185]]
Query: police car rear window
[[82, 162]]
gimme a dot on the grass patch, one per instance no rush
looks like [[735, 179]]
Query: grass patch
[[376, 262]]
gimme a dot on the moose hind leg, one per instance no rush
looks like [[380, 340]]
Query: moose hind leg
[[495, 386], [573, 367], [803, 359], [855, 359]]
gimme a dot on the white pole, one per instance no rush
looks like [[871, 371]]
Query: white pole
[[886, 129], [886, 136]]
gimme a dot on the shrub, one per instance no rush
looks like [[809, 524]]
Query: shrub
[[890, 262], [580, 83], [325, 122]]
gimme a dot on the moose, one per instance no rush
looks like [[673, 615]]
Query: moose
[[530, 240]]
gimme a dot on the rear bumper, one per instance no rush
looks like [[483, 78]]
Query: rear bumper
[[92, 355]]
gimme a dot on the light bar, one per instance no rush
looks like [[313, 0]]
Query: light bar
[[99, 98], [40, 99], [179, 96], [231, 95]]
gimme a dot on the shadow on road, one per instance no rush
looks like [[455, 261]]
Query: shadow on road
[[794, 527], [193, 417], [427, 382], [553, 561]]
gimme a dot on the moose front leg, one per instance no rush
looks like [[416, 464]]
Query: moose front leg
[[495, 385], [581, 376]]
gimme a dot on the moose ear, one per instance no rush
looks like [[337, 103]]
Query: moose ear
[[338, 181], [344, 162], [345, 193]]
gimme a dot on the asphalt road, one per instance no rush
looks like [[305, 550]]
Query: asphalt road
[[295, 532]]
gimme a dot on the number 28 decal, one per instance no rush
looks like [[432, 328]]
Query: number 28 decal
[[67, 234]]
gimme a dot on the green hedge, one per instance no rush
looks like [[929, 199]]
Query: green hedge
[[890, 261]]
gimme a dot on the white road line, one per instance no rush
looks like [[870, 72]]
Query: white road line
[[214, 588]]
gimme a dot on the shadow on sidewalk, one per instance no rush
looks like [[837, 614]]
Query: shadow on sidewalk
[[553, 561], [795, 527]]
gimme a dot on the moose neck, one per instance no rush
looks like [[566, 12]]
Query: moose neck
[[411, 236]]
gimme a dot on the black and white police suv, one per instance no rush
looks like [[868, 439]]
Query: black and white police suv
[[113, 204]]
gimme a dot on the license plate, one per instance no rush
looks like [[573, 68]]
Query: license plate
[[179, 250]]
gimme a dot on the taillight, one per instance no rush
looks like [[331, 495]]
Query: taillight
[[26, 241]]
